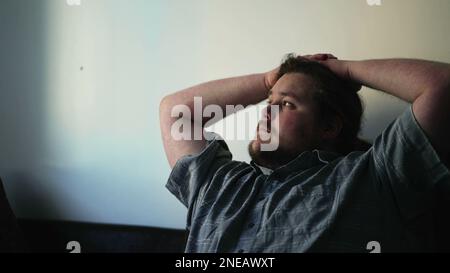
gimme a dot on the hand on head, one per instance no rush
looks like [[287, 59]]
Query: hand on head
[[338, 67]]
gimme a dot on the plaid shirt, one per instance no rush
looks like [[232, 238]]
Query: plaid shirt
[[319, 202]]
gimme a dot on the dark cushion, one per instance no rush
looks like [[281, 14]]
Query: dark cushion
[[53, 236], [11, 239]]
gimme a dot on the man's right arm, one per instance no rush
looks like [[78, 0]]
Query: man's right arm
[[244, 90]]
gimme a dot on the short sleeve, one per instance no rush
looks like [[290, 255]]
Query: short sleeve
[[408, 165], [193, 172]]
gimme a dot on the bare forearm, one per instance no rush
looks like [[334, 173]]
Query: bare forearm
[[243, 90], [406, 79]]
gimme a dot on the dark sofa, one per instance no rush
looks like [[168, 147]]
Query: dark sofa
[[54, 236], [26, 235]]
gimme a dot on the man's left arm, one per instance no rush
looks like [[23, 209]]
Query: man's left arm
[[425, 84]]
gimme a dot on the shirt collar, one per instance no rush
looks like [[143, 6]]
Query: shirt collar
[[309, 159], [264, 170], [304, 161]]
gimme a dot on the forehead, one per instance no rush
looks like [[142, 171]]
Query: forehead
[[299, 84]]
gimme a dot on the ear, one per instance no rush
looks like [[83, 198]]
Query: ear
[[332, 127]]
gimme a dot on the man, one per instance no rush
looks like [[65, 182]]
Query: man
[[316, 192]]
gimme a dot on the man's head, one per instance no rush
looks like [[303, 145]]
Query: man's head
[[317, 110]]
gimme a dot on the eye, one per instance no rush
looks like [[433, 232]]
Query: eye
[[287, 104]]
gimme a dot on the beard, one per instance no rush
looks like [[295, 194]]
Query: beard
[[270, 159]]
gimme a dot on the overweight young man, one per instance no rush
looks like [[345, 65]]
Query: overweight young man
[[317, 191]]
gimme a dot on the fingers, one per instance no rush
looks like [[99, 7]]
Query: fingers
[[318, 57], [333, 63], [324, 57], [331, 56]]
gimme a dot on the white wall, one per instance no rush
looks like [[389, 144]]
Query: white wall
[[80, 86]]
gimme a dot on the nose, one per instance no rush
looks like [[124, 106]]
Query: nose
[[267, 113]]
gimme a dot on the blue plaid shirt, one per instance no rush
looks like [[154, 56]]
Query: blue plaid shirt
[[319, 202]]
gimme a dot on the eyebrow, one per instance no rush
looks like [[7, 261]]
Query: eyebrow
[[286, 94]]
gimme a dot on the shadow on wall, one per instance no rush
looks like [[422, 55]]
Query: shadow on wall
[[22, 105], [33, 199]]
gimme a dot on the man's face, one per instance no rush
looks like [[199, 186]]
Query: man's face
[[296, 123]]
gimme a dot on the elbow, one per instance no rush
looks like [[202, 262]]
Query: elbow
[[170, 101], [174, 106], [171, 105], [165, 106], [164, 103]]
